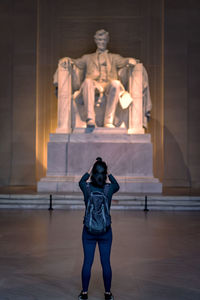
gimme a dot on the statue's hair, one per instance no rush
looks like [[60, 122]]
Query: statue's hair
[[101, 32]]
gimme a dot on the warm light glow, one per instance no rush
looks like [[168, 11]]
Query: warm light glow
[[46, 110]]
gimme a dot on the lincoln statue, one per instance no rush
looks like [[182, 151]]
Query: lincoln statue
[[101, 77]]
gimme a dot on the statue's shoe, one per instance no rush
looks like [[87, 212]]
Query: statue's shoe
[[90, 123], [109, 125]]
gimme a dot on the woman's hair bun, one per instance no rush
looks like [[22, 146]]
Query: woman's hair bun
[[99, 159]]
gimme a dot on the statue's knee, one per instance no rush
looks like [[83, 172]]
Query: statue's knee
[[115, 84]]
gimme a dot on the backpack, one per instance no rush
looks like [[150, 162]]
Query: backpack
[[97, 214]]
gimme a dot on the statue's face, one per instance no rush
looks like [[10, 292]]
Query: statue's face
[[101, 42]]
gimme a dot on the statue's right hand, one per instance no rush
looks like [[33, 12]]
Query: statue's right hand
[[65, 62]]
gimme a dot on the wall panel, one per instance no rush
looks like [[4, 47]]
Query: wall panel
[[17, 93], [182, 81]]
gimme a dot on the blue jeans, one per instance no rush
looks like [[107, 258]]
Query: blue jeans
[[104, 241]]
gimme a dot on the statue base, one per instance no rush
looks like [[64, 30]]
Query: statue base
[[129, 158]]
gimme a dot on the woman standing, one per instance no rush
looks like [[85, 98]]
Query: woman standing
[[97, 224]]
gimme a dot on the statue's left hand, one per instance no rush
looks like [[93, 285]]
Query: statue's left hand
[[132, 61]]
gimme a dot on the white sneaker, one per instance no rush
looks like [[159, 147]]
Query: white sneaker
[[108, 296]]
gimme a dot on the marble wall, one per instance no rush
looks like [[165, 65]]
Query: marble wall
[[181, 98], [17, 92], [163, 34]]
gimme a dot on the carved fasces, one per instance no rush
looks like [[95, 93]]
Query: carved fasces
[[64, 96], [136, 91]]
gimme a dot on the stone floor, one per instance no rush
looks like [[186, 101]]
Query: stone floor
[[155, 256]]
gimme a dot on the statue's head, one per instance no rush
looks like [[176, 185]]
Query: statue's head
[[99, 173], [101, 39]]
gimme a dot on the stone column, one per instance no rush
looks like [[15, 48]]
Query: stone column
[[136, 108], [64, 98]]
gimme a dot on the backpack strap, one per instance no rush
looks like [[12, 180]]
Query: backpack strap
[[89, 192], [106, 189]]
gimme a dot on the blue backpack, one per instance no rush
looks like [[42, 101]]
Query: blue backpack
[[97, 214]]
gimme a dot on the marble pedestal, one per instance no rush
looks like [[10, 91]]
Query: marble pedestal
[[129, 158]]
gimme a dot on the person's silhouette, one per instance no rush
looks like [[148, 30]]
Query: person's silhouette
[[97, 224]]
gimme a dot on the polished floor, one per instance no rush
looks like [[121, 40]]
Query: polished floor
[[155, 256]]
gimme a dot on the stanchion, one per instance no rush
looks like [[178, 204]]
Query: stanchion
[[145, 204], [50, 202]]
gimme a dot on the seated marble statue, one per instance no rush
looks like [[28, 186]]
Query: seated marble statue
[[101, 76]]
